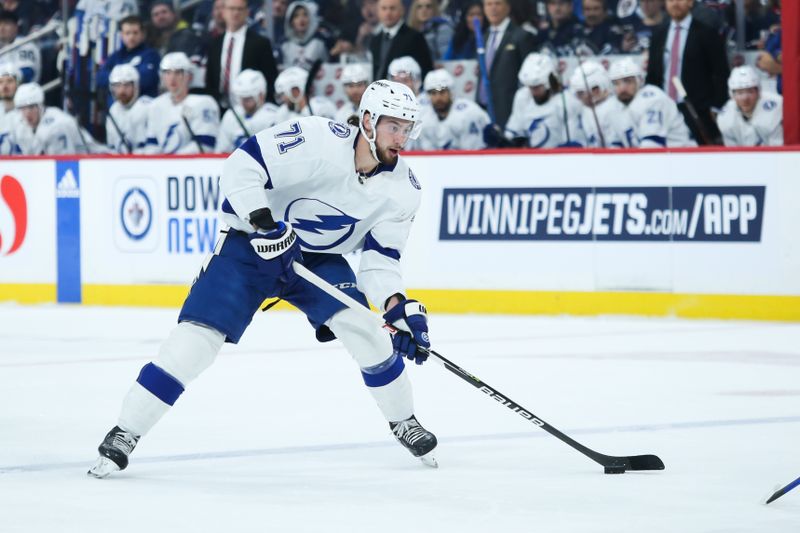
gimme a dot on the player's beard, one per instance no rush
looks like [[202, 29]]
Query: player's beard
[[386, 157], [541, 100], [625, 98], [443, 109]]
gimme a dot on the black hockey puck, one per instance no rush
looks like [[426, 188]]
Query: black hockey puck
[[614, 469]]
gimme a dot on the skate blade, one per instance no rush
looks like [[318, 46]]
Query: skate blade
[[102, 468], [429, 460]]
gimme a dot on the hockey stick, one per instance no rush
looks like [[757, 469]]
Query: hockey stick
[[591, 97], [312, 74], [241, 123], [481, 49], [676, 81], [124, 139], [784, 490], [191, 132], [612, 464]]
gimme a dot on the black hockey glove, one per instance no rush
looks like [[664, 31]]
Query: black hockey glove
[[276, 244]]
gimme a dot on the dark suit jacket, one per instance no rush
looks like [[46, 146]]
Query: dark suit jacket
[[704, 71], [407, 42], [511, 52], [256, 55]]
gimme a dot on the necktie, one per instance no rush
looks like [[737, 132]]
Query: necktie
[[490, 49], [674, 60], [226, 77], [386, 41]]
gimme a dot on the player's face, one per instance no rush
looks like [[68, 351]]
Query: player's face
[[746, 99], [392, 135], [441, 101], [175, 81], [300, 20], [31, 114], [407, 80], [540, 93], [626, 89], [591, 99], [132, 35], [8, 87], [355, 91], [251, 104], [123, 92]]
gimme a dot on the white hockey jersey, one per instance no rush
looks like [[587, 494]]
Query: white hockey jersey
[[656, 121], [765, 127], [461, 129], [28, 59], [321, 106], [546, 125], [231, 134], [614, 122], [166, 127], [8, 120], [304, 172], [56, 134], [346, 111], [132, 122]]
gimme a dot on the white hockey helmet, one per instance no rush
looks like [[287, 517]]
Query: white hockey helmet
[[406, 67], [10, 69], [625, 68], [744, 77], [355, 73], [536, 70], [175, 61], [438, 80], [289, 79], [390, 99], [125, 73], [591, 74], [249, 84], [29, 94]]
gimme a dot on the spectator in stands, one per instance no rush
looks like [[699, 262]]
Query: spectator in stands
[[290, 90], [367, 29], [424, 17], [642, 23], [342, 18], [48, 130], [758, 23], [770, 59], [278, 15], [355, 78], [463, 45], [23, 12], [211, 23], [397, 39], [304, 42], [27, 57], [507, 45], [751, 117], [601, 33], [696, 53], [170, 33], [134, 51], [563, 29], [238, 49], [126, 122]]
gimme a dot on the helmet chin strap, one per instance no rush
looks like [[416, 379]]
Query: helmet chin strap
[[371, 141]]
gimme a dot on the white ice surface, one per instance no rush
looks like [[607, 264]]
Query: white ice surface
[[280, 435]]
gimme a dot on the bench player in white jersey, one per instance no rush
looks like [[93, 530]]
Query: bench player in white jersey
[[48, 130], [655, 118], [9, 81], [126, 123], [333, 188], [602, 118], [543, 115], [170, 112], [249, 114], [290, 90], [450, 124], [355, 78], [751, 117]]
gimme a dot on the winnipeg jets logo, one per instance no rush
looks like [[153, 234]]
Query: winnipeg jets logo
[[319, 226]]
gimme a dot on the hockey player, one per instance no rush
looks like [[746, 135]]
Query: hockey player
[[249, 114], [290, 86], [334, 188], [9, 80], [179, 122], [543, 115], [450, 124], [406, 70], [655, 119], [750, 117], [591, 85], [126, 124], [355, 78], [48, 130]]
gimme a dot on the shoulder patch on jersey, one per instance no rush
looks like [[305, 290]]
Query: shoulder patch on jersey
[[413, 179], [339, 129], [460, 106], [769, 105]]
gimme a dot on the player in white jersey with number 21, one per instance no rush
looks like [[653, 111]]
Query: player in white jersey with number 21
[[307, 190]]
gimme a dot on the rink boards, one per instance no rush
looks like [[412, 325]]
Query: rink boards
[[708, 233]]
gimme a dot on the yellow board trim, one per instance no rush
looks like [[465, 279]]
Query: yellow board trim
[[725, 306]]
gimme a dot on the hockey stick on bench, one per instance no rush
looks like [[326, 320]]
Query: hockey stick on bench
[[612, 464]]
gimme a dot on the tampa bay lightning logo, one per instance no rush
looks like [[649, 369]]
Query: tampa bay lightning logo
[[136, 213], [339, 129], [319, 226], [413, 179], [539, 133], [173, 140]]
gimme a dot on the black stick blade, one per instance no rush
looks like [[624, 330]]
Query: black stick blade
[[645, 462]]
